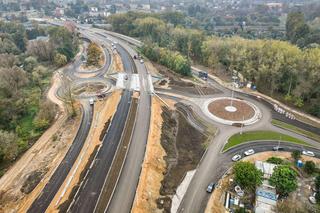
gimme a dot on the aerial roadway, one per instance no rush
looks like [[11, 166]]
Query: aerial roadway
[[211, 168]]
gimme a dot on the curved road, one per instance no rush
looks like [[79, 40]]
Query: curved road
[[42, 202], [61, 172]]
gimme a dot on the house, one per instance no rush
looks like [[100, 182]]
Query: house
[[266, 196]]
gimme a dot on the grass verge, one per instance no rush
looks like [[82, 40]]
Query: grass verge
[[295, 129], [259, 135]]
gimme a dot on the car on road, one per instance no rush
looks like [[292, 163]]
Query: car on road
[[277, 148], [236, 157], [141, 61], [308, 153], [91, 101], [211, 187], [249, 152]]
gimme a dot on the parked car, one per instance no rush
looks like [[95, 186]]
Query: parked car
[[308, 153], [249, 152], [278, 148], [236, 157], [211, 187]]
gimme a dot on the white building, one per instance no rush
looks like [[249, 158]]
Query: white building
[[266, 196]]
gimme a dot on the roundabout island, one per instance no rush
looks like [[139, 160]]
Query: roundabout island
[[231, 111]]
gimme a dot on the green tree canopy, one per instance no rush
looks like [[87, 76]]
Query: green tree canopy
[[247, 175], [284, 179]]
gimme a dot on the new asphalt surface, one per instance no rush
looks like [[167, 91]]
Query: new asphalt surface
[[52, 187], [88, 194]]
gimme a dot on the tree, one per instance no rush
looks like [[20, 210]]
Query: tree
[[296, 155], [94, 54], [8, 146], [43, 50], [247, 175], [45, 115], [29, 64], [38, 74], [296, 28], [275, 160], [317, 186], [284, 179], [60, 59], [64, 41], [12, 79], [309, 167]]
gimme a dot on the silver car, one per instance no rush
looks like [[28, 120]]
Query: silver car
[[308, 153], [236, 157], [249, 152]]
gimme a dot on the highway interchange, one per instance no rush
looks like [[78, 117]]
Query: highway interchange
[[213, 165]]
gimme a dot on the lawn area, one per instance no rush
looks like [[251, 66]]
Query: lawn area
[[295, 129], [259, 135]]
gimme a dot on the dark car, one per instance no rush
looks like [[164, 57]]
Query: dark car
[[211, 187], [278, 148]]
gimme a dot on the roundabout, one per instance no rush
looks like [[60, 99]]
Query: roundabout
[[231, 111]]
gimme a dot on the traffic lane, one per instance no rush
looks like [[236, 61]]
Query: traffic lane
[[124, 194], [263, 146], [88, 195], [58, 177], [223, 163]]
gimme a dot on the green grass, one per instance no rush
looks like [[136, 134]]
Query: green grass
[[295, 129], [259, 135]]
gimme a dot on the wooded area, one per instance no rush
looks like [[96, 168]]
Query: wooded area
[[25, 71], [280, 69]]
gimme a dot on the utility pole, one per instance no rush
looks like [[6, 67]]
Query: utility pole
[[242, 125]]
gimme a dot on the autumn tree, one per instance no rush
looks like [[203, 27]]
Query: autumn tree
[[8, 146], [94, 54], [60, 60]]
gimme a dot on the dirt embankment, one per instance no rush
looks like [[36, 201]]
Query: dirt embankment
[[103, 112], [24, 181], [184, 146], [174, 147], [148, 189], [181, 83]]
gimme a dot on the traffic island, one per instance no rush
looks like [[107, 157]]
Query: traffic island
[[257, 136], [231, 111]]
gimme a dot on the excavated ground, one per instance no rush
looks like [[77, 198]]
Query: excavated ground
[[184, 146]]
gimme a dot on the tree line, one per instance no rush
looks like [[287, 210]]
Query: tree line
[[25, 71], [278, 68]]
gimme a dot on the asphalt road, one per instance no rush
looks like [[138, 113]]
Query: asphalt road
[[124, 194], [61, 172], [52, 187], [88, 194], [214, 164]]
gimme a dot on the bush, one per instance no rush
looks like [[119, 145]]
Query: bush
[[275, 160], [309, 167], [296, 155]]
